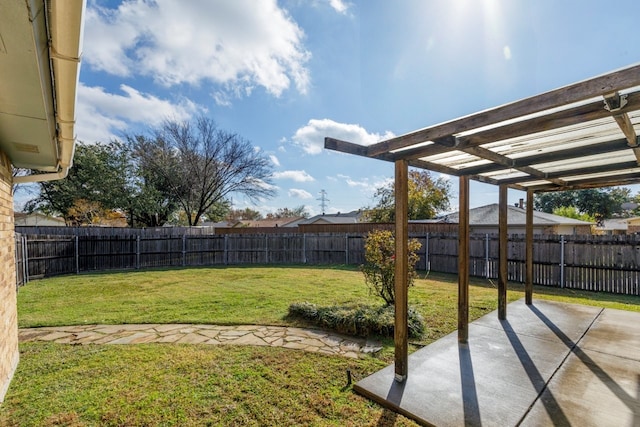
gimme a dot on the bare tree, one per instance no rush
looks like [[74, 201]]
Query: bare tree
[[203, 164]]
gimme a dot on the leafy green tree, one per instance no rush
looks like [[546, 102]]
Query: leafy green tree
[[601, 203], [99, 177], [635, 211], [149, 206], [152, 203], [204, 165], [427, 198], [380, 259], [547, 202], [218, 211], [246, 214], [297, 212], [572, 212]]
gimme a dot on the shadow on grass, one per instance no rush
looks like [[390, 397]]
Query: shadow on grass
[[387, 418], [550, 291]]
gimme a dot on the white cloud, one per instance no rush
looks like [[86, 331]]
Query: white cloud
[[365, 184], [311, 137], [102, 116], [298, 193], [274, 159], [298, 176], [264, 185], [339, 6], [506, 51], [239, 44]]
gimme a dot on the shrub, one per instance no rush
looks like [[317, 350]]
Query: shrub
[[360, 320], [379, 266]]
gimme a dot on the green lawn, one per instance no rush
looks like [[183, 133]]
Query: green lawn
[[179, 385]]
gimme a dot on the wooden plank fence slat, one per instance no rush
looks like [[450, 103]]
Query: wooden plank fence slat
[[593, 263]]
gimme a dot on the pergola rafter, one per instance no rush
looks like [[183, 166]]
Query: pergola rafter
[[583, 135]]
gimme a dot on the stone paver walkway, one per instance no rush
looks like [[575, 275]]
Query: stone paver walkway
[[311, 340]]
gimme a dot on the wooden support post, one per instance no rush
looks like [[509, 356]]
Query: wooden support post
[[401, 270], [528, 284], [463, 261], [503, 250]]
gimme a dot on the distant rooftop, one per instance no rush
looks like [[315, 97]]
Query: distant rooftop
[[336, 218], [488, 215]]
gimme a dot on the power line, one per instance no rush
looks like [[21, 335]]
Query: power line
[[323, 201]]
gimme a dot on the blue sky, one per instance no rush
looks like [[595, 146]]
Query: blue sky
[[285, 74]]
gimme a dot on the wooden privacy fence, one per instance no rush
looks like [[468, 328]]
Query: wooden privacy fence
[[597, 263]]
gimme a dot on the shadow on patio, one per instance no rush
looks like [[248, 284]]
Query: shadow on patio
[[549, 364]]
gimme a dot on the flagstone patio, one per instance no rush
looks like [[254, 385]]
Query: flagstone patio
[[311, 340]]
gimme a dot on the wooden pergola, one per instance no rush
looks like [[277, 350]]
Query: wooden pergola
[[584, 135]]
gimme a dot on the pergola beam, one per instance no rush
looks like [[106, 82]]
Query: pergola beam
[[509, 163], [612, 146], [555, 178], [559, 119], [624, 122], [607, 181], [574, 172], [597, 86], [360, 150]]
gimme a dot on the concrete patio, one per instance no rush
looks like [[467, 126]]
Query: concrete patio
[[547, 364]]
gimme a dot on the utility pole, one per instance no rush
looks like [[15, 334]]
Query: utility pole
[[323, 200]]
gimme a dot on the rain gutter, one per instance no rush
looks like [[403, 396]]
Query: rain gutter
[[64, 28]]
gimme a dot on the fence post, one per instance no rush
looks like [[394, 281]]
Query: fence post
[[346, 249], [77, 248], [486, 255], [562, 261], [184, 249], [304, 248], [26, 259], [225, 255], [16, 260], [266, 248], [427, 262], [137, 252]]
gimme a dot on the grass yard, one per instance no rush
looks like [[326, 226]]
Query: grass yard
[[182, 385], [186, 385]]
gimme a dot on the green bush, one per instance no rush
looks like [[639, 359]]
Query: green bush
[[380, 263], [359, 320]]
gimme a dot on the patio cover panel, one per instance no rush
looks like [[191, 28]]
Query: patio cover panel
[[580, 136]]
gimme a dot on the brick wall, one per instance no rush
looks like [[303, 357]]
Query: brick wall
[[8, 311]]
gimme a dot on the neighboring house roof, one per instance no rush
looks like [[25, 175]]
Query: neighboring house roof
[[275, 222], [635, 220], [36, 219], [352, 217], [614, 224], [618, 223], [219, 224], [488, 215]]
